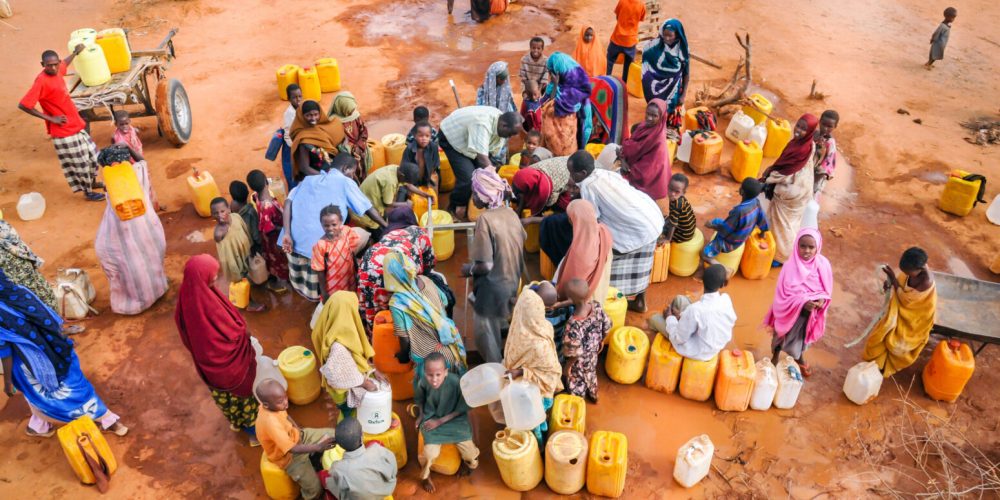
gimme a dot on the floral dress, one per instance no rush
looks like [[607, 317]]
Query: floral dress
[[270, 222], [583, 340], [414, 243]]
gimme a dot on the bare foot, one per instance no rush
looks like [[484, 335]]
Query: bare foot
[[428, 485], [464, 470]]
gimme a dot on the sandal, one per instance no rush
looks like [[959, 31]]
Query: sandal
[[73, 329], [32, 433], [276, 288], [805, 369], [92, 196], [98, 185], [256, 309], [118, 429]]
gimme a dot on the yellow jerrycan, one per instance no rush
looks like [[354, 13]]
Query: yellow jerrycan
[[664, 368], [394, 145], [627, 355], [329, 74], [446, 179], [566, 462], [518, 458], [447, 463], [778, 134], [950, 368], [531, 244], [757, 255], [731, 259], [393, 440], [661, 263], [309, 81], [124, 191], [961, 193], [634, 85], [758, 108], [746, 160], [698, 377], [203, 190], [285, 76], [615, 306], [239, 293], [114, 43], [92, 66], [607, 464], [684, 256], [83, 432], [507, 172], [706, 153], [378, 155], [569, 412], [443, 241], [734, 382], [298, 365], [691, 117], [277, 483], [420, 203], [545, 266]]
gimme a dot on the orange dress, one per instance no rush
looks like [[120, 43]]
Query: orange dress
[[336, 258]]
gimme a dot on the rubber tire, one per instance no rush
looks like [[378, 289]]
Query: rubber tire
[[175, 127]]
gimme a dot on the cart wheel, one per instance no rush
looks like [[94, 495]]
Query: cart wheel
[[173, 111]]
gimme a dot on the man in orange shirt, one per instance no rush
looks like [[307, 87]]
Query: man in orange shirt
[[76, 150], [626, 34], [285, 444]]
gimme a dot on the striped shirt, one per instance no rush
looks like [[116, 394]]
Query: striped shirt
[[737, 227], [472, 130], [534, 70], [632, 217], [682, 219]]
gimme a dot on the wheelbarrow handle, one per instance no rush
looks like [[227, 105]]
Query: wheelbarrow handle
[[167, 38]]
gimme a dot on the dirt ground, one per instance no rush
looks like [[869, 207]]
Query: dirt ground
[[865, 55]]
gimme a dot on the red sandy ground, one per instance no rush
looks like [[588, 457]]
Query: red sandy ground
[[866, 56]]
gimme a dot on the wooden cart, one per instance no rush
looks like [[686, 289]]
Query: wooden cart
[[132, 91]]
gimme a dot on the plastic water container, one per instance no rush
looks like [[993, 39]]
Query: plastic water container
[[447, 463], [634, 84], [402, 384], [764, 386], [758, 135], [664, 368], [267, 368], [394, 145], [698, 378], [593, 148], [779, 133], [472, 212], [522, 405], [496, 411], [446, 176], [746, 160], [507, 172], [993, 213], [739, 127], [789, 383], [309, 81], [378, 155], [810, 218], [706, 153], [329, 74], [420, 202], [239, 293], [759, 108], [959, 195], [566, 462], [482, 384], [277, 483], [606, 159], [393, 439], [116, 50], [31, 206], [568, 412], [298, 365], [375, 412], [86, 36], [278, 189], [386, 345], [616, 306], [627, 356], [607, 464], [693, 461], [863, 382], [734, 382], [443, 241], [661, 263], [684, 259], [518, 459], [92, 66], [285, 76], [545, 266], [731, 259], [124, 191], [691, 117], [684, 148], [330, 456], [531, 244], [203, 189], [69, 440], [758, 255], [950, 368]]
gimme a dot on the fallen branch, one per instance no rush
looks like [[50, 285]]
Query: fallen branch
[[736, 91]]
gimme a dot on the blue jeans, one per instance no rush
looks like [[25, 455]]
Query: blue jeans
[[629, 56]]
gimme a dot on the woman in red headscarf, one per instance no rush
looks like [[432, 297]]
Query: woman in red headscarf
[[542, 185], [788, 183], [645, 157], [216, 335]]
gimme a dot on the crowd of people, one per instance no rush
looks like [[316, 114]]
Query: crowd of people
[[347, 238]]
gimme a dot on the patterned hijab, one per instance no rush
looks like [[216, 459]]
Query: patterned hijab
[[490, 187], [12, 243], [490, 94], [400, 278], [531, 345]]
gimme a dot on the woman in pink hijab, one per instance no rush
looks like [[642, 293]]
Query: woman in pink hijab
[[797, 316]]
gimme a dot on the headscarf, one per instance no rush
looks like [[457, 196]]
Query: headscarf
[[400, 278], [533, 188], [589, 55], [212, 329], [491, 188], [796, 154], [327, 134], [490, 94], [801, 281], [400, 218], [572, 93], [340, 322], [12, 243], [344, 107], [588, 254], [648, 156], [667, 66], [34, 332], [531, 345]]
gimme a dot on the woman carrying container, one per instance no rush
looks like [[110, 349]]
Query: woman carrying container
[[341, 343], [42, 364], [530, 352], [789, 186], [645, 157], [666, 70], [315, 140], [797, 318], [541, 186], [567, 120], [345, 109], [216, 335], [419, 318]]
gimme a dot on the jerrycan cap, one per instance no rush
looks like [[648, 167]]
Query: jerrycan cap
[[954, 345], [736, 352], [307, 353]]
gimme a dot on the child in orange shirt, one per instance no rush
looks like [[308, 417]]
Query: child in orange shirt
[[333, 254], [626, 35]]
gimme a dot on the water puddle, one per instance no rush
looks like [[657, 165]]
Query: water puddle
[[839, 190], [520, 45]]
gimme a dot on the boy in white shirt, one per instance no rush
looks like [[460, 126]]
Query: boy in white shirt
[[706, 326]]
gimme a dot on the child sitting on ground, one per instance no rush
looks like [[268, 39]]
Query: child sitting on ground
[[680, 224], [736, 228], [241, 206], [270, 220], [421, 115], [232, 243], [585, 333], [286, 444], [442, 418], [826, 150], [423, 151], [333, 254], [706, 326], [531, 107]]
